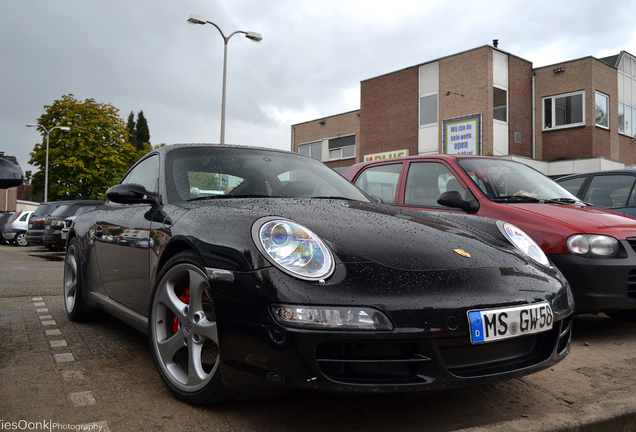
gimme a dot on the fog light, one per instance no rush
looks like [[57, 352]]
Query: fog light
[[331, 318]]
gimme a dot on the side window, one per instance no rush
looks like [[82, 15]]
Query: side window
[[381, 181], [573, 185], [610, 191], [146, 174], [426, 181]]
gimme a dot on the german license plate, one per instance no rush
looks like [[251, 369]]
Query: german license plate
[[496, 324]]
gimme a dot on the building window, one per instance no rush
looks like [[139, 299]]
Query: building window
[[428, 110], [342, 147], [626, 119], [602, 110], [621, 118], [313, 150], [500, 104], [563, 111]]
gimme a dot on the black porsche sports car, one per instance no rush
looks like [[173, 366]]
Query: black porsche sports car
[[257, 271]]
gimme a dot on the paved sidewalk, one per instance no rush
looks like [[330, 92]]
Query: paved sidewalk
[[101, 373]]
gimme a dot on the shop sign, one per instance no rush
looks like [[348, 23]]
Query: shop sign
[[386, 155], [462, 136]]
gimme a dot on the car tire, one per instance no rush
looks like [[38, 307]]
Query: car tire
[[183, 334], [73, 290], [20, 240]]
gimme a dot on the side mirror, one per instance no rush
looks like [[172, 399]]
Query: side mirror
[[131, 193], [376, 199], [467, 202], [11, 175]]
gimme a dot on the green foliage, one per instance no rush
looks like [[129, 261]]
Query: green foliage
[[138, 135], [204, 180], [142, 133], [86, 161], [130, 127]]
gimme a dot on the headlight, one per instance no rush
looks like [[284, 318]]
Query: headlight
[[594, 245], [294, 249], [331, 318], [523, 242]]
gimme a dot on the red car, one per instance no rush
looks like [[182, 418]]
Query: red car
[[593, 247]]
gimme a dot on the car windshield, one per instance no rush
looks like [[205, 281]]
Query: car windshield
[[222, 173], [60, 210], [41, 210], [507, 181]]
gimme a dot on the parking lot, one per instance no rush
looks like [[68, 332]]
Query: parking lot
[[100, 374]]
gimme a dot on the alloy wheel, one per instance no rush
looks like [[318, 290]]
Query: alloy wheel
[[70, 278], [21, 240], [185, 336]]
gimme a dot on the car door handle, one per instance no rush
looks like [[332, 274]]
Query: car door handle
[[99, 231]]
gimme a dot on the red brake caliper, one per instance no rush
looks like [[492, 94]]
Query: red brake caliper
[[185, 298]]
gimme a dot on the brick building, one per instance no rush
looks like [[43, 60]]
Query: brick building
[[568, 117]]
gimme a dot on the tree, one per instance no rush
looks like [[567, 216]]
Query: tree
[[86, 161], [138, 135], [142, 133], [130, 127]]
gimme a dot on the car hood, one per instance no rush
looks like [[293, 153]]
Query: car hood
[[363, 232], [585, 219]]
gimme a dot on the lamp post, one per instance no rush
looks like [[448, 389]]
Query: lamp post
[[253, 36], [46, 168]]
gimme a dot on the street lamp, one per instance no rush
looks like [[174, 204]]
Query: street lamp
[[253, 36], [46, 169]]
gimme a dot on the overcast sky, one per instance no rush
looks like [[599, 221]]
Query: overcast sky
[[143, 55]]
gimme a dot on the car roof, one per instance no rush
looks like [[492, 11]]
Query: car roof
[[171, 147], [447, 157], [616, 171]]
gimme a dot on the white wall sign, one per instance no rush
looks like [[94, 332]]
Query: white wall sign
[[462, 136]]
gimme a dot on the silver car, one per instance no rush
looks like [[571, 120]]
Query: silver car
[[15, 229]]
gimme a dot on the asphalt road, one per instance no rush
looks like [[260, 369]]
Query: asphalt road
[[100, 375]]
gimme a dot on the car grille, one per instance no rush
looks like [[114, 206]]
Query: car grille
[[631, 276], [373, 362], [631, 285], [412, 362]]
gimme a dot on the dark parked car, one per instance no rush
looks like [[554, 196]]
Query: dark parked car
[[52, 237], [593, 247], [295, 280], [4, 217], [609, 189], [37, 221]]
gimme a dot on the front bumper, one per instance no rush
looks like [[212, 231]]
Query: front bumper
[[601, 284], [429, 349], [9, 235], [369, 363]]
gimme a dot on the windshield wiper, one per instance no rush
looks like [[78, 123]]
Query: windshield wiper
[[561, 201], [211, 197], [531, 199], [335, 198], [517, 198]]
